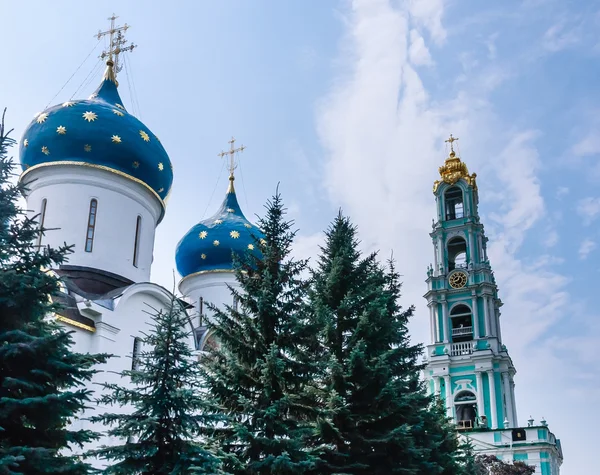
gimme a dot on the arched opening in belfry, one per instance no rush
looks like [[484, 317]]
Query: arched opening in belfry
[[465, 404], [457, 253], [462, 323], [455, 208]]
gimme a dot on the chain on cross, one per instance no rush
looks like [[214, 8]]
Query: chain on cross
[[231, 153], [117, 43]]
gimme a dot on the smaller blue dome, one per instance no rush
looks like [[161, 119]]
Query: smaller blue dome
[[210, 244], [98, 132]]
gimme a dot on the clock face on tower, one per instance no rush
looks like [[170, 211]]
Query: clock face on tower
[[458, 280]]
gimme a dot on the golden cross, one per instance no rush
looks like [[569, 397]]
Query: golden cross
[[231, 152], [451, 141], [117, 42]]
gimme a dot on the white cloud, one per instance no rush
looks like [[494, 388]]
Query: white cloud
[[589, 209], [418, 52], [586, 247]]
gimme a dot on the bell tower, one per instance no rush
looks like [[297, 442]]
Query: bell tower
[[468, 366]]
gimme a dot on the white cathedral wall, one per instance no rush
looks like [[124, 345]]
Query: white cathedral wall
[[115, 332], [68, 190], [211, 286]]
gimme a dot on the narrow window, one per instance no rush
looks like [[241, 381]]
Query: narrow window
[[135, 354], [235, 302], [136, 244], [89, 237], [201, 308], [42, 217]]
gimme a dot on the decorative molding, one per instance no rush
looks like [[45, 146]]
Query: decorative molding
[[75, 323]]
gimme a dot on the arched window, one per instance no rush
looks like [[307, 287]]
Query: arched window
[[462, 323], [454, 203], [42, 218], [136, 243], [457, 253], [89, 237], [465, 404]]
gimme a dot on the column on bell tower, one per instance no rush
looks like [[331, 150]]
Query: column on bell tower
[[466, 354]]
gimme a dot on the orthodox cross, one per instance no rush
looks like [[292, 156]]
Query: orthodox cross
[[117, 43], [231, 152], [451, 141]]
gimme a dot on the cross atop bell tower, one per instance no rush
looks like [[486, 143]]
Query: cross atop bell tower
[[451, 141]]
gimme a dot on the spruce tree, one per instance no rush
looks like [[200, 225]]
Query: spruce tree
[[380, 419], [260, 372], [164, 407], [41, 379]]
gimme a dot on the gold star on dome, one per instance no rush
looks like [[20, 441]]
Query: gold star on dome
[[45, 150], [202, 234], [202, 256], [42, 118], [216, 243], [135, 164], [119, 113], [61, 130], [234, 234], [89, 116], [120, 106], [248, 225], [218, 221], [87, 147], [161, 167], [251, 247], [230, 210], [68, 104], [145, 136], [25, 143], [116, 139], [93, 96]]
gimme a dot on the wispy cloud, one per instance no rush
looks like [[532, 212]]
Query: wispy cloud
[[586, 247], [418, 52], [589, 145], [551, 238], [560, 36], [562, 191], [589, 209]]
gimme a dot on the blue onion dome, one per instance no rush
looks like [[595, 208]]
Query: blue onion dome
[[210, 245], [98, 132]]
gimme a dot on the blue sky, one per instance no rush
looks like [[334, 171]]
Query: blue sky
[[347, 104]]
